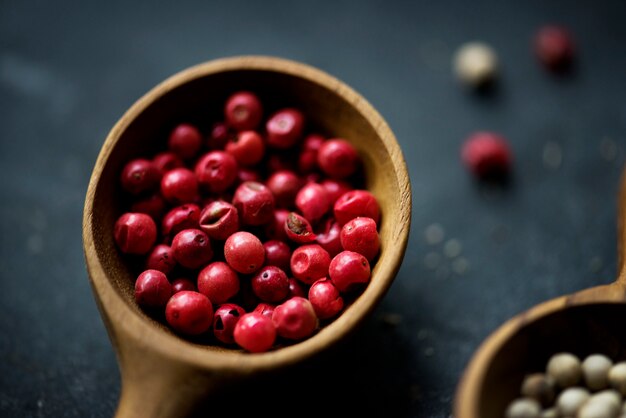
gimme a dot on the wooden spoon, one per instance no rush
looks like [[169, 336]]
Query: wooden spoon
[[164, 375], [587, 322]]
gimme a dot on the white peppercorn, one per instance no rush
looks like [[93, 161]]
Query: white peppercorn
[[565, 369], [524, 408], [595, 369], [475, 64], [570, 400], [617, 377], [550, 413], [539, 386], [604, 404]]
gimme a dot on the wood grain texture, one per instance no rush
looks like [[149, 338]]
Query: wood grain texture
[[162, 374], [586, 322]]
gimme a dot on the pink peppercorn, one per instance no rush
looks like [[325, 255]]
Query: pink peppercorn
[[254, 203], [216, 171], [554, 47], [185, 140], [325, 298], [255, 332], [356, 203], [180, 217], [284, 128], [338, 158], [312, 201], [219, 219], [284, 185], [486, 155], [265, 309], [247, 174], [280, 160], [166, 161], [270, 284], [349, 270], [296, 288], [244, 252], [219, 136], [191, 248], [135, 233], [225, 318], [277, 253], [181, 284], [307, 160], [139, 176], [152, 289], [309, 263], [179, 186], [275, 229], [295, 318], [329, 237], [161, 259], [335, 189], [218, 281], [247, 147], [361, 236], [189, 312], [298, 229], [153, 205], [243, 110]]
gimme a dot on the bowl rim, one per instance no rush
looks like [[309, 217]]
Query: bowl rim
[[172, 346]]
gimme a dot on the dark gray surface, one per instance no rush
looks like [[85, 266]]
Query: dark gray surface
[[69, 70]]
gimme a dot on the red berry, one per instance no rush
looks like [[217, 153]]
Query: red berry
[[270, 284], [264, 308], [247, 147], [312, 201], [218, 281], [139, 176], [349, 270], [180, 217], [554, 47], [284, 128], [284, 185], [298, 229], [356, 203], [338, 158], [361, 236], [224, 320], [192, 248], [189, 312], [277, 253], [219, 220], [255, 332], [181, 284], [329, 238], [216, 171], [309, 263], [325, 298], [166, 161], [135, 233], [185, 140], [335, 189], [161, 259], [244, 252], [179, 186], [295, 319], [247, 174], [486, 155], [307, 160], [254, 203], [296, 288], [243, 110], [219, 136], [152, 289], [153, 205]]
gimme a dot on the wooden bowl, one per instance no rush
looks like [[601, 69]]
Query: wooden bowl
[[162, 373], [587, 322]]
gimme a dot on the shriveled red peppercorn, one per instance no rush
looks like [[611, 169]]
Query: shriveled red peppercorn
[[254, 203], [243, 110], [349, 270], [219, 219], [270, 284], [191, 248], [135, 233], [185, 140], [225, 318], [295, 318], [152, 289], [325, 298], [309, 263], [486, 155], [179, 186], [361, 236], [244, 252], [255, 332], [298, 229], [189, 312], [139, 176]]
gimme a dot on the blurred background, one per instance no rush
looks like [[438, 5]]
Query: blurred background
[[476, 256]]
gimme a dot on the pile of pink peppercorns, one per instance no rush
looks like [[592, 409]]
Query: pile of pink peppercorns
[[253, 232]]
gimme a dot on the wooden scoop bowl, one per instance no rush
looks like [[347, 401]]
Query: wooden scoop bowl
[[587, 322], [164, 375]]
